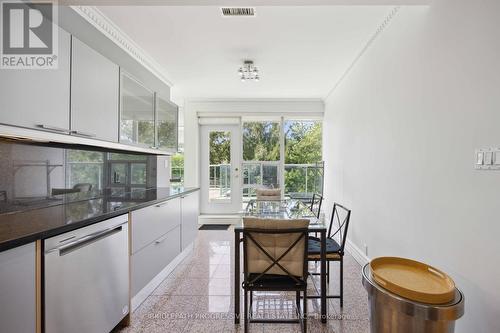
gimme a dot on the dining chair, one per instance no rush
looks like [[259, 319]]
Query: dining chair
[[335, 244], [315, 206], [275, 259], [264, 194]]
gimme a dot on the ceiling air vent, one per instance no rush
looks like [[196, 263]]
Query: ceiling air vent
[[242, 11]]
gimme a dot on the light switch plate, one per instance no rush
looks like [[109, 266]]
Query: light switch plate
[[487, 159]]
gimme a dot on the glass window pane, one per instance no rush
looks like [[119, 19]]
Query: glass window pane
[[251, 174], [303, 155], [270, 176], [261, 141], [295, 179], [220, 165], [137, 113], [303, 142], [248, 194]]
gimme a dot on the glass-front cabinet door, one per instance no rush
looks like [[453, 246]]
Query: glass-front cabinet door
[[167, 115], [137, 118]]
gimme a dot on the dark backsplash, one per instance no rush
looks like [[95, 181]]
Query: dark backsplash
[[35, 175]]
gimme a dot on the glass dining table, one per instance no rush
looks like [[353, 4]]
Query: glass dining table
[[280, 209]]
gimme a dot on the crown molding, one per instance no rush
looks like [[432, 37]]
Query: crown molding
[[107, 27], [368, 43]]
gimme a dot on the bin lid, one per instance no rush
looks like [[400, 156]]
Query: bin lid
[[413, 280]]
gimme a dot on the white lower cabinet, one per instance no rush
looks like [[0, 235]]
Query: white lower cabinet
[[159, 234], [190, 212], [153, 258], [151, 222], [17, 289]]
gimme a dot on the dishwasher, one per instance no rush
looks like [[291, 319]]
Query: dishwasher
[[86, 278]]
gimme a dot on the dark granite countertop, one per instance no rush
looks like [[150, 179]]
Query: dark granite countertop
[[22, 222]]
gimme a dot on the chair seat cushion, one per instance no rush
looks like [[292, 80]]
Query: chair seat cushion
[[314, 246], [274, 281]]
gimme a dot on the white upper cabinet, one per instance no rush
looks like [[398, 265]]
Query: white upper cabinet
[[137, 116], [38, 98], [95, 84], [167, 115]]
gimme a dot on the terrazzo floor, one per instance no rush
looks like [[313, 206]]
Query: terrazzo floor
[[197, 297]]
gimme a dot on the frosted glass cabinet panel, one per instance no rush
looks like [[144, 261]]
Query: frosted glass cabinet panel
[[137, 120], [167, 122], [38, 98]]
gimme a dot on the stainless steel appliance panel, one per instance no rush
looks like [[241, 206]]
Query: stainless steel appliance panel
[[87, 278]]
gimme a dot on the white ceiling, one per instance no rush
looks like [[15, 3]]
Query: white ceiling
[[301, 51]]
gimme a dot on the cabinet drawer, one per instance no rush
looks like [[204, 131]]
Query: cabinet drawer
[[149, 261], [151, 222]]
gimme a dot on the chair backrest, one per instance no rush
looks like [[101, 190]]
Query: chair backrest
[[274, 246], [316, 202], [268, 194], [339, 224]]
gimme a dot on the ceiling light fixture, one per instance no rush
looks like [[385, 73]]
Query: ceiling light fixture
[[249, 72]]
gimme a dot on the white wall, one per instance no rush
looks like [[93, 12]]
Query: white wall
[[233, 108], [400, 133]]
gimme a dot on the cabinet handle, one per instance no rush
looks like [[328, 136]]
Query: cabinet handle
[[162, 204], [90, 135], [53, 128], [161, 240], [85, 240]]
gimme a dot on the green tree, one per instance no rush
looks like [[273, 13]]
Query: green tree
[[220, 147], [303, 145], [261, 141], [303, 142]]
